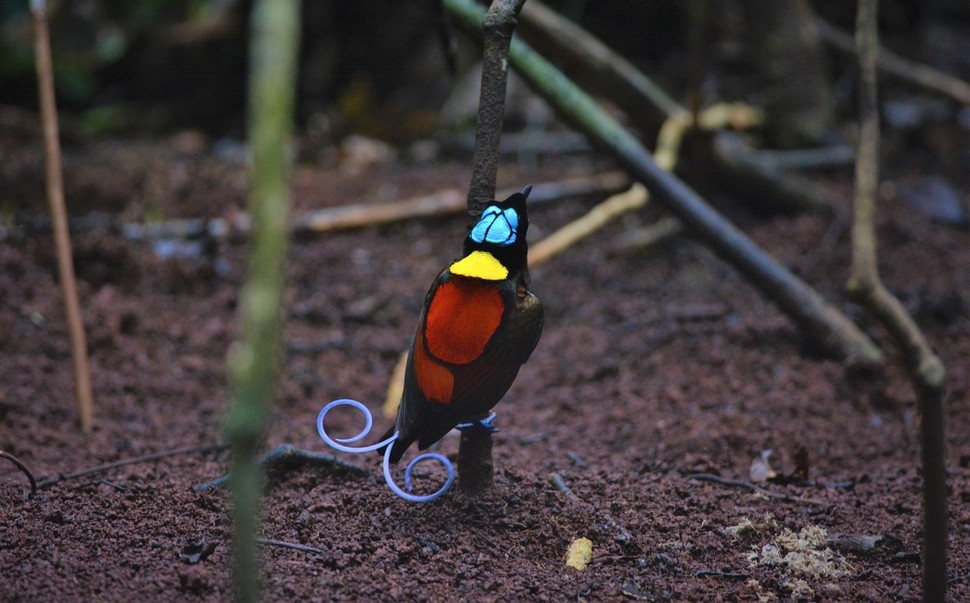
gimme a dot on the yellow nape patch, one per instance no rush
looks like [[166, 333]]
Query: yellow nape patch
[[480, 264]]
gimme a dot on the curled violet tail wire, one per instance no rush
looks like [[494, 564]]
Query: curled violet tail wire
[[341, 445]]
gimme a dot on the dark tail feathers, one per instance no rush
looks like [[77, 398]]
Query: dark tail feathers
[[398, 446]]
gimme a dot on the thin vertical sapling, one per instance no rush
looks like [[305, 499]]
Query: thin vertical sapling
[[55, 199], [254, 361], [926, 369]]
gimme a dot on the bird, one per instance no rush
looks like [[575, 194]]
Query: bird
[[479, 325]]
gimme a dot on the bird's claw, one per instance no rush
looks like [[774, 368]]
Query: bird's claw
[[486, 424]]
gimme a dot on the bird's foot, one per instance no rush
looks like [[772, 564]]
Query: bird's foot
[[486, 424]]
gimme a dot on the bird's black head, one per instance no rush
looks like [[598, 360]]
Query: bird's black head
[[501, 231]]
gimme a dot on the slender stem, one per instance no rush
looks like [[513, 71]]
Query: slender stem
[[475, 465], [253, 362], [62, 239], [497, 27], [865, 276], [926, 370]]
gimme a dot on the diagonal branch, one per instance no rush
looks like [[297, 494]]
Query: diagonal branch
[[819, 320], [899, 67], [639, 96]]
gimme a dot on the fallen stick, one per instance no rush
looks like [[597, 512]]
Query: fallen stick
[[756, 177], [148, 458], [289, 545], [284, 455], [446, 202], [604, 213]]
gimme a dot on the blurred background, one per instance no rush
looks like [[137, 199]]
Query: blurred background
[[377, 76]]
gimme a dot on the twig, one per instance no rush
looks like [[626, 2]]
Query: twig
[[837, 155], [897, 66], [721, 574], [148, 458], [557, 480], [737, 483], [285, 454], [819, 320], [253, 363], [926, 370], [476, 469], [55, 199], [23, 468], [290, 545], [497, 26]]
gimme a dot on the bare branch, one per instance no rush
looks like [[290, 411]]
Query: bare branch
[[446, 202], [926, 370], [497, 28]]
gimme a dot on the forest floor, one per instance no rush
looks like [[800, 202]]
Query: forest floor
[[658, 369]]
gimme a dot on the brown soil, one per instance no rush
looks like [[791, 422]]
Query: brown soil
[[654, 365]]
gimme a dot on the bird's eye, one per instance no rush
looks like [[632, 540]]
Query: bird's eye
[[496, 226]]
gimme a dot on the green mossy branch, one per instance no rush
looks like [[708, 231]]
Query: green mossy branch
[[254, 360]]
